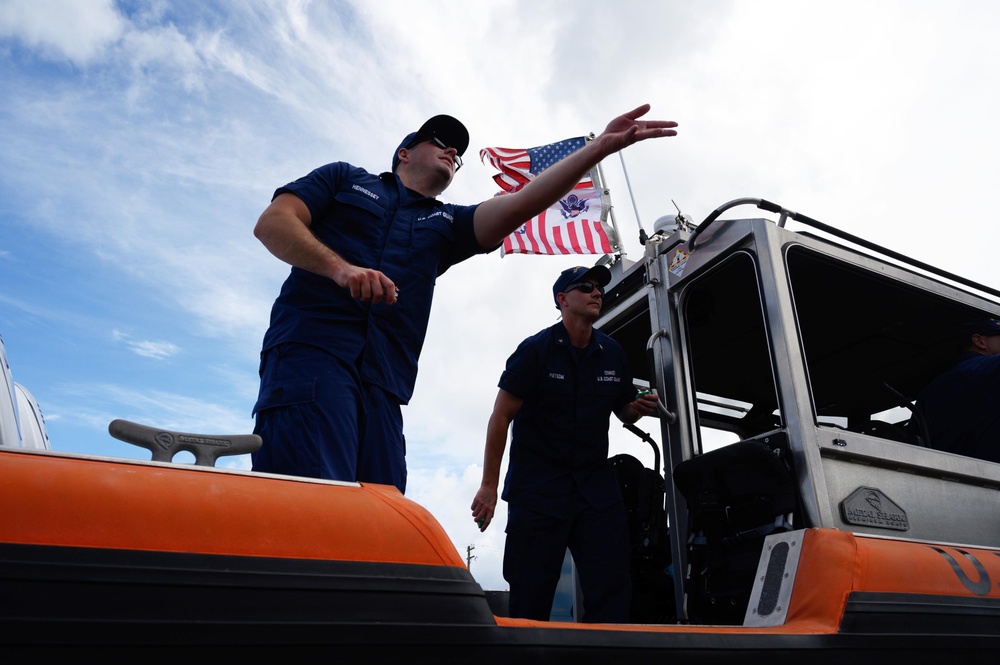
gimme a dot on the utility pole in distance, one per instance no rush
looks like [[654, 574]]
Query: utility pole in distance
[[468, 556]]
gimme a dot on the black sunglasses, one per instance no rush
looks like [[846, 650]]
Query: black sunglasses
[[439, 143], [586, 287]]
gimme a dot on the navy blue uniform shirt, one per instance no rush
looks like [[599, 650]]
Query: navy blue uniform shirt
[[372, 222], [962, 408], [560, 436]]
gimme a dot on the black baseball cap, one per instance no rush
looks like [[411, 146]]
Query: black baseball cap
[[599, 274], [987, 326], [451, 132]]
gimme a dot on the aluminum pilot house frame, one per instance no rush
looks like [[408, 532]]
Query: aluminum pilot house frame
[[810, 347], [823, 529]]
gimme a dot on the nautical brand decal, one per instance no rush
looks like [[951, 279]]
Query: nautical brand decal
[[981, 586], [366, 192], [678, 262], [164, 439], [868, 506], [222, 443]]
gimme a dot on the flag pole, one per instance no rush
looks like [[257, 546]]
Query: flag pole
[[628, 185], [611, 211], [605, 194]]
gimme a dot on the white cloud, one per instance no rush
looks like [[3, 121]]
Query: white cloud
[[157, 350], [63, 29], [99, 403], [166, 50]]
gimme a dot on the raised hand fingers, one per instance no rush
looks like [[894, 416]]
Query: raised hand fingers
[[637, 112], [627, 129]]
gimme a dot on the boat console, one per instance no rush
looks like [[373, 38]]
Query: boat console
[[787, 364]]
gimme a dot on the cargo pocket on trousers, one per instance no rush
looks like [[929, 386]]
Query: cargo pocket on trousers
[[290, 393]]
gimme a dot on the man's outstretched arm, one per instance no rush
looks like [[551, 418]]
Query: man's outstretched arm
[[498, 217]]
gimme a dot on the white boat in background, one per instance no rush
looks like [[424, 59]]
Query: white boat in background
[[21, 422]]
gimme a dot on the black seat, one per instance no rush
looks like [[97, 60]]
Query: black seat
[[652, 585], [736, 496]]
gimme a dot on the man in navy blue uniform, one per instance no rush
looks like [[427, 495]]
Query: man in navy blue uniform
[[340, 356], [962, 405], [559, 389]]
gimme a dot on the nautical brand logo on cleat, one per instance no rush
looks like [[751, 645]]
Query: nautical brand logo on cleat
[[224, 443], [868, 506], [164, 439]]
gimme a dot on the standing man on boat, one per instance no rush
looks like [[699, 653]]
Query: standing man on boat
[[559, 389], [340, 356], [962, 405]]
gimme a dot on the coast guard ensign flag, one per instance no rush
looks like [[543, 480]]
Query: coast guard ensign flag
[[574, 225]]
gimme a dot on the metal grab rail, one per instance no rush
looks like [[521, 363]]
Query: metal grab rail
[[661, 407], [768, 206], [714, 215]]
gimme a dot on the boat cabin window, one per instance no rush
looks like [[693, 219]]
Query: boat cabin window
[[728, 352], [871, 342]]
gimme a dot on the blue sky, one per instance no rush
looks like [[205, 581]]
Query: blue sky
[[141, 140]]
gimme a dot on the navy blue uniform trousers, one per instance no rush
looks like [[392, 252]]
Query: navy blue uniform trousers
[[599, 543]]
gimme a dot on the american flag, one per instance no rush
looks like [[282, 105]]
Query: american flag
[[573, 225]]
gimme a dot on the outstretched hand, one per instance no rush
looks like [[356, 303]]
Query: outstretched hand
[[627, 129]]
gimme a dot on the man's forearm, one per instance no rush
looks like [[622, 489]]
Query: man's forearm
[[556, 181], [502, 215], [496, 443], [293, 243]]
